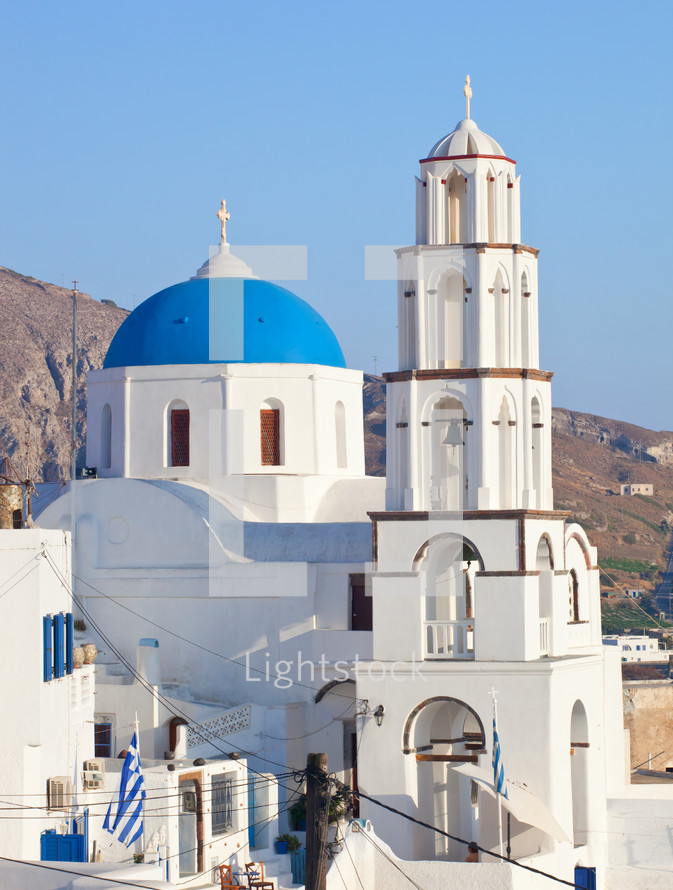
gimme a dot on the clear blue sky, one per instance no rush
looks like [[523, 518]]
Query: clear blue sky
[[124, 124]]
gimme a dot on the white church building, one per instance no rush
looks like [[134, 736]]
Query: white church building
[[293, 604]]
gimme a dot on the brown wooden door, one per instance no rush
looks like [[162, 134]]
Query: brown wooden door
[[361, 604]]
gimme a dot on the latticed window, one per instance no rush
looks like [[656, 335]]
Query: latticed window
[[222, 812], [180, 437], [269, 419]]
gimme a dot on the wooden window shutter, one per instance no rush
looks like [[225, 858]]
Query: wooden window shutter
[[180, 437], [269, 424]]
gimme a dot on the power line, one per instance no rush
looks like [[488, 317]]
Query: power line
[[198, 645], [157, 696], [461, 840], [391, 861]]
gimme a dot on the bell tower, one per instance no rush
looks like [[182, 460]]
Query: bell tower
[[469, 410], [477, 583]]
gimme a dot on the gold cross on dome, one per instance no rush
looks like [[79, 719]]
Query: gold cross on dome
[[224, 216], [467, 91]]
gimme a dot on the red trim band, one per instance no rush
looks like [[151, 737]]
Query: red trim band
[[465, 158]]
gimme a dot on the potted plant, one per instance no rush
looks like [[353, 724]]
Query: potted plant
[[298, 813], [287, 843]]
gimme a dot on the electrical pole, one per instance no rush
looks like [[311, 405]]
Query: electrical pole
[[317, 817]]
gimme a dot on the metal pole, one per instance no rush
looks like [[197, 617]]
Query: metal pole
[[73, 429]]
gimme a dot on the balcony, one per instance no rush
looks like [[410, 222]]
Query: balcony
[[449, 639]]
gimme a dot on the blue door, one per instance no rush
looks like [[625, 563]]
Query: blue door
[[585, 877], [56, 847]]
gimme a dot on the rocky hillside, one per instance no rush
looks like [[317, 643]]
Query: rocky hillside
[[592, 455], [35, 370]]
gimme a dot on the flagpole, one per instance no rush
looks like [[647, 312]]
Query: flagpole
[[497, 790]]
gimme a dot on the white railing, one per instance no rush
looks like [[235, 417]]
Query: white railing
[[544, 636], [223, 724], [579, 633], [449, 639]]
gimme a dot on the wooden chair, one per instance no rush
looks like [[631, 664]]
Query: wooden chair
[[256, 880], [227, 881]]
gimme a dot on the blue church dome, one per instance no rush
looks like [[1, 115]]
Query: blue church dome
[[213, 320]]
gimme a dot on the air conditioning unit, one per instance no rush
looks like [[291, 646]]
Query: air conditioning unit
[[93, 778], [98, 765], [60, 792]]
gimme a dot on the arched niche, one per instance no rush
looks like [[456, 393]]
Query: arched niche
[[506, 453], [457, 200], [579, 772]]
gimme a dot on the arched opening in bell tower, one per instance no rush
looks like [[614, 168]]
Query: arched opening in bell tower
[[448, 566], [526, 351], [442, 733], [445, 455], [509, 236], [501, 320], [451, 321], [457, 195], [106, 438]]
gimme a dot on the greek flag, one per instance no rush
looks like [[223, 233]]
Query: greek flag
[[498, 768], [126, 821]]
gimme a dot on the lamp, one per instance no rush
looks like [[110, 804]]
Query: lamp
[[453, 434], [378, 715]]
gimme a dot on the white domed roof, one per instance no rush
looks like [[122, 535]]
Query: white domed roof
[[466, 139]]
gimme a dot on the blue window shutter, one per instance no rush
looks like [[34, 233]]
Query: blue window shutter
[[46, 649], [69, 641], [59, 661]]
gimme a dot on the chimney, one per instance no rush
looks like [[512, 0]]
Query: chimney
[[147, 661]]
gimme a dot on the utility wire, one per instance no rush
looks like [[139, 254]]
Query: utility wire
[[461, 840], [157, 696]]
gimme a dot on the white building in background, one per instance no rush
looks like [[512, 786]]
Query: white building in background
[[631, 488], [47, 700], [637, 648]]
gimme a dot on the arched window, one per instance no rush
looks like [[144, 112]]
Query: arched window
[[178, 434], [270, 418], [457, 188], [106, 438], [525, 323], [451, 321], [579, 772], [17, 518], [340, 428], [573, 596], [544, 559]]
